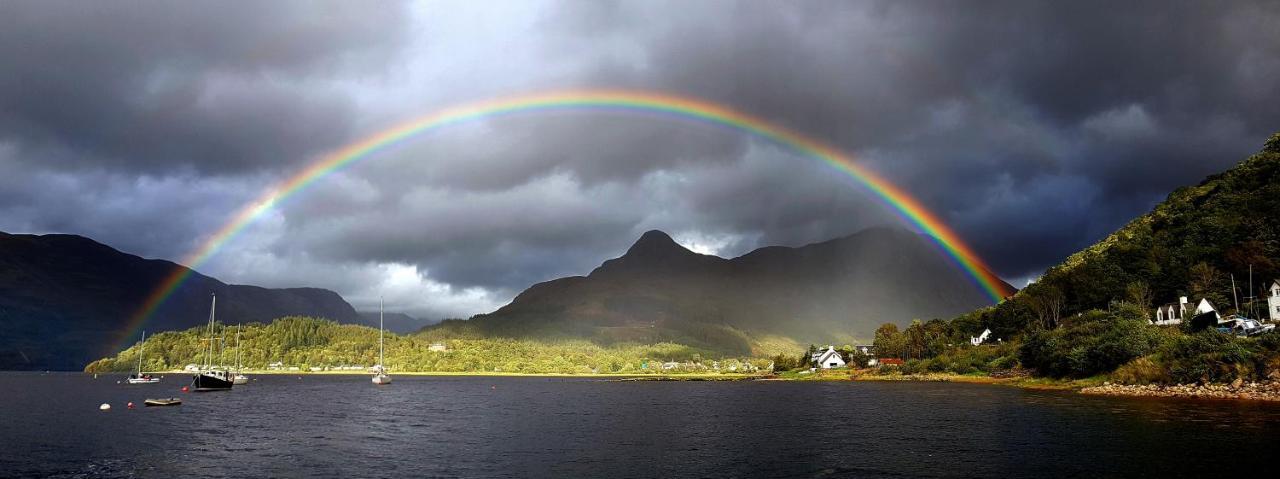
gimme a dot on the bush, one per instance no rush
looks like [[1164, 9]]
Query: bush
[[1092, 343], [1209, 356], [1143, 370]]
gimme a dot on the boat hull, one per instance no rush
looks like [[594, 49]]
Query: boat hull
[[162, 402], [381, 379], [240, 380], [210, 382], [143, 380]]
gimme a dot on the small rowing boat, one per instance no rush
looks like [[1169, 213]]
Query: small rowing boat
[[162, 402]]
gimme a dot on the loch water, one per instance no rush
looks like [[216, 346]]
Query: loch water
[[425, 426]]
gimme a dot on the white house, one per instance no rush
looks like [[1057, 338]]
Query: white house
[[986, 333], [1174, 313], [830, 359], [437, 348], [1273, 301]]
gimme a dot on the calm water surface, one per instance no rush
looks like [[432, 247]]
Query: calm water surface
[[343, 426]]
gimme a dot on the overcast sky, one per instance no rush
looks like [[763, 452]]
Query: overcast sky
[[1032, 128]]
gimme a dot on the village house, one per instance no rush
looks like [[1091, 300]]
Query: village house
[[828, 359], [981, 338], [438, 348], [1174, 313], [866, 349], [1273, 301]]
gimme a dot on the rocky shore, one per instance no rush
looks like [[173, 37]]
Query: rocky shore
[[1263, 391]]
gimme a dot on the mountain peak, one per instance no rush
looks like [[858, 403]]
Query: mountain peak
[[655, 243]]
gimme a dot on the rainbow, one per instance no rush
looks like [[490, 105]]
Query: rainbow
[[684, 108]]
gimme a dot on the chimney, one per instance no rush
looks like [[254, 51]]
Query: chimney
[[1182, 300]]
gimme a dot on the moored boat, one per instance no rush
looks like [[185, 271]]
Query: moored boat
[[210, 378], [138, 377], [239, 378], [162, 402], [380, 376]]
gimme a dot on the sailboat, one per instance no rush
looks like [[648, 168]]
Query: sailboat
[[239, 379], [210, 378], [380, 375], [137, 377]]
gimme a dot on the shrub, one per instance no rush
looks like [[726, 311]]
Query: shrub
[[1143, 370], [1092, 343], [1209, 356]]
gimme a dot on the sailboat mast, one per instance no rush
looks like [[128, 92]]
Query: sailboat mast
[[142, 347], [213, 306], [1235, 298], [381, 349], [237, 347]]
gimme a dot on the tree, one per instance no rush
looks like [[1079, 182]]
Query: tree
[[1139, 293], [1047, 302], [1206, 282], [888, 341]]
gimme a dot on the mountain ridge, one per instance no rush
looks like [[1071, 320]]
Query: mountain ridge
[[658, 290], [65, 298]]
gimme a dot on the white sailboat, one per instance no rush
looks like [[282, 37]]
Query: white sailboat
[[239, 378], [137, 377], [380, 375]]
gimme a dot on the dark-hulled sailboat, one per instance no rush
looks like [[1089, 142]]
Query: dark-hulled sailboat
[[210, 378]]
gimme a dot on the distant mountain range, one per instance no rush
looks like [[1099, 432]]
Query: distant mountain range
[[399, 323], [660, 291], [65, 299]]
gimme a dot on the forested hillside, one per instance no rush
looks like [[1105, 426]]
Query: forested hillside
[[308, 342], [1090, 315]]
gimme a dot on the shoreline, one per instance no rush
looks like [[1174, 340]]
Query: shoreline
[[726, 376], [1253, 391], [1268, 391]]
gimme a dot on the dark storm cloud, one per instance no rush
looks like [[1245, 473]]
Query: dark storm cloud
[[963, 102], [1033, 128], [163, 86]]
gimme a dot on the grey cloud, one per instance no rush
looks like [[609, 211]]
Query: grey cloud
[[164, 87], [1033, 128]]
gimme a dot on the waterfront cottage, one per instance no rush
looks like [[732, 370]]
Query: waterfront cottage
[[1174, 313], [986, 333], [829, 359], [1273, 301]]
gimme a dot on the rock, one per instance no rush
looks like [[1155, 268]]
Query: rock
[[1236, 384]]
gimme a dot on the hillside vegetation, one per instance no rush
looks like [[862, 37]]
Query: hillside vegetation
[[1088, 316], [308, 342]]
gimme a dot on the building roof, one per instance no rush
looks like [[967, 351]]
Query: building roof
[[827, 355]]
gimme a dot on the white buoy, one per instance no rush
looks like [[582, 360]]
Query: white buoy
[[105, 407]]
